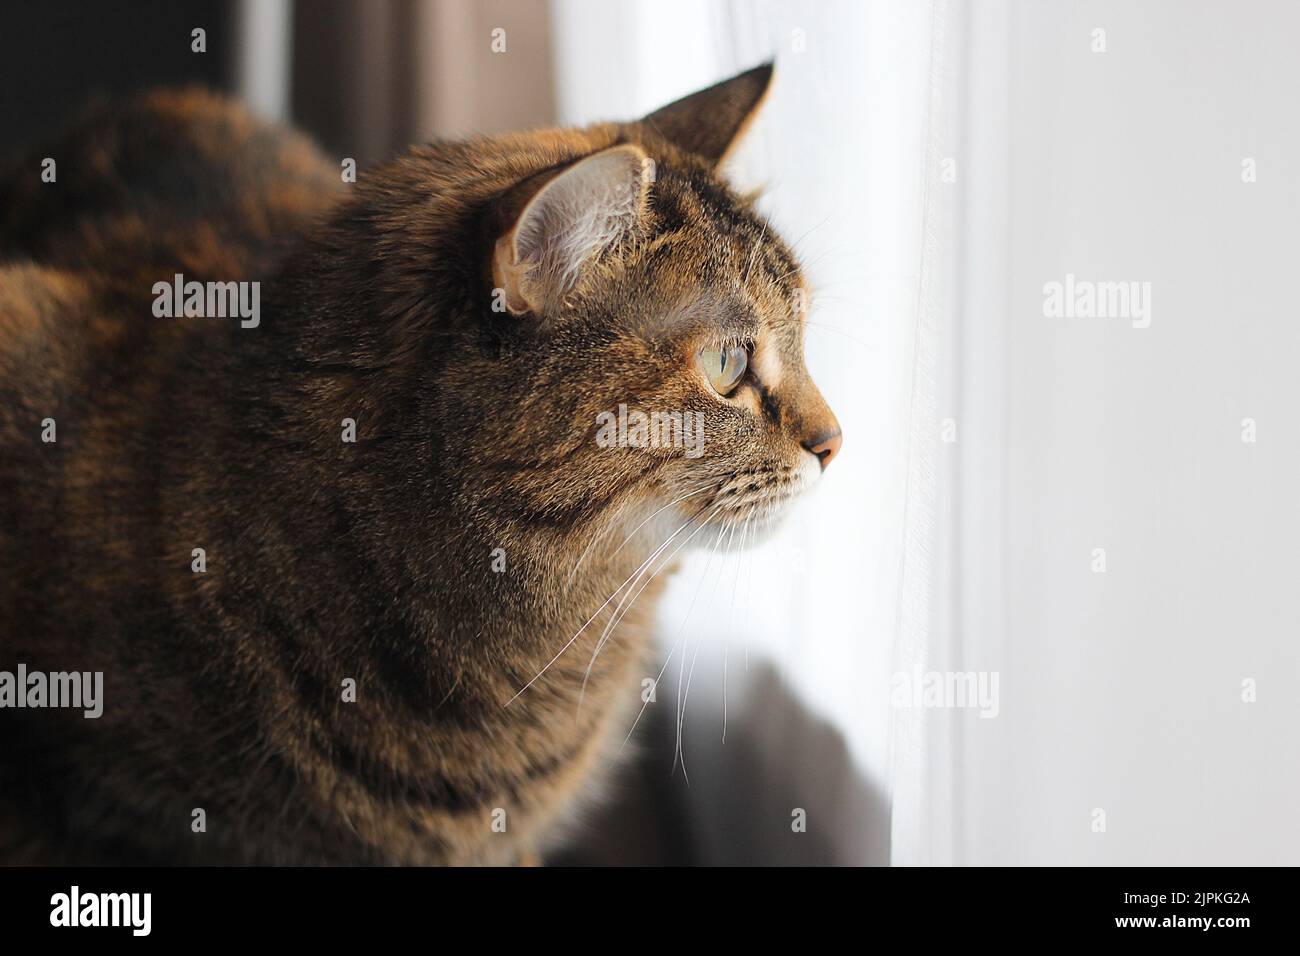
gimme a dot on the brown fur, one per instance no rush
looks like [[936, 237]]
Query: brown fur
[[328, 560]]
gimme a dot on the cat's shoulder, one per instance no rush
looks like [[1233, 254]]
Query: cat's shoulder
[[45, 317], [34, 299]]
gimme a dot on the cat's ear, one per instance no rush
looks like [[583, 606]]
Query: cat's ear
[[710, 122], [571, 220]]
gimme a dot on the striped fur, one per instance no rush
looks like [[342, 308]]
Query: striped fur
[[374, 560]]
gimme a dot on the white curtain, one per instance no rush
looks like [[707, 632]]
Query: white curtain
[[788, 650], [1124, 530], [1114, 539]]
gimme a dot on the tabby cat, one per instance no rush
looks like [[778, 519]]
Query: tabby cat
[[344, 565]]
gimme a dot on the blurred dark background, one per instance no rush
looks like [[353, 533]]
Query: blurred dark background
[[365, 78], [56, 54]]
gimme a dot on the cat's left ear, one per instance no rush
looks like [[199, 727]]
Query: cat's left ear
[[709, 123], [569, 222]]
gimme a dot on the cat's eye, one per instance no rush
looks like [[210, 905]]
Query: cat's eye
[[724, 367]]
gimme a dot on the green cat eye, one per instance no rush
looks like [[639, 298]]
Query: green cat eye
[[724, 367]]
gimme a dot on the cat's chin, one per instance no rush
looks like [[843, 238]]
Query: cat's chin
[[744, 529], [760, 527], [744, 522]]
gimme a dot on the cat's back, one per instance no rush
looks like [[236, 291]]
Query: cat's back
[[35, 304], [180, 180], [132, 193]]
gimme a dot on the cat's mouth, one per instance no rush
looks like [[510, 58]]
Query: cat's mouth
[[752, 504]]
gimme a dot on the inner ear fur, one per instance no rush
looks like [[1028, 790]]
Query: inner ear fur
[[569, 221]]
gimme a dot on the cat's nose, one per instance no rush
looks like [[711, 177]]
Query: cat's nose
[[825, 446]]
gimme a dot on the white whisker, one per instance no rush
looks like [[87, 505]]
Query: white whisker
[[614, 521], [754, 252], [602, 607], [620, 611], [681, 633], [726, 640], [677, 751]]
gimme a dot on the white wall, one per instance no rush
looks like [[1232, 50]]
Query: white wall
[[1122, 690]]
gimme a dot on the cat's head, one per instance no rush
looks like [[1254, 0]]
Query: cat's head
[[634, 330]]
